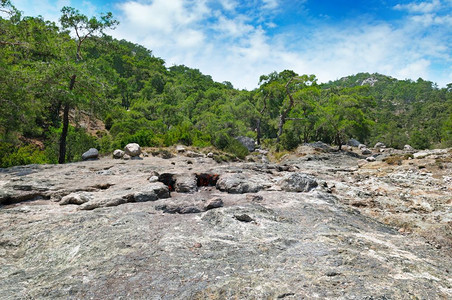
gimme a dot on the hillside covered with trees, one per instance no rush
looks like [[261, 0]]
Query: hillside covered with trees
[[56, 79]]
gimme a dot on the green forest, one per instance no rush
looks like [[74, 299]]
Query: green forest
[[56, 78]]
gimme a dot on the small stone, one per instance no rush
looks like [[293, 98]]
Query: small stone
[[126, 157], [213, 203], [153, 179], [370, 159], [197, 245], [366, 151], [380, 145], [92, 153], [243, 218], [180, 149], [118, 154], [210, 155], [362, 146], [408, 148], [76, 198]]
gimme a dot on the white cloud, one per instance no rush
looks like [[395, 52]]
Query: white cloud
[[237, 27], [229, 5], [270, 4], [421, 7], [228, 39]]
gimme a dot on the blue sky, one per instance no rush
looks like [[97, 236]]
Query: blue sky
[[238, 41]]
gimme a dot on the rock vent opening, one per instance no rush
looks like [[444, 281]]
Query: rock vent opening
[[168, 180], [206, 179]]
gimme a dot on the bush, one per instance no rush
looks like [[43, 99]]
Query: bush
[[289, 140], [419, 140], [145, 138], [29, 154]]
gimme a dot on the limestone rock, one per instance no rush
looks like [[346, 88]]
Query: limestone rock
[[193, 154], [180, 149], [132, 149], [379, 145], [408, 148], [92, 153], [353, 143], [186, 183], [366, 151], [249, 143], [76, 198], [238, 183], [361, 146], [126, 156], [370, 159], [213, 203], [117, 154], [298, 182]]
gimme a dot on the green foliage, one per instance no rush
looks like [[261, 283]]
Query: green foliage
[[144, 138], [140, 100], [78, 143], [289, 140], [29, 154], [225, 142], [419, 140]]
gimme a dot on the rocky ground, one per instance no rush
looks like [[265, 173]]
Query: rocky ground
[[320, 224]]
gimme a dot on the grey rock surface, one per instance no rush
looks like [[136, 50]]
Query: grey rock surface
[[186, 183], [353, 143], [367, 231], [298, 182], [248, 142], [240, 183]]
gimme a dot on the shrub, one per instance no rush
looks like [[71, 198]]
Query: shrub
[[29, 154]]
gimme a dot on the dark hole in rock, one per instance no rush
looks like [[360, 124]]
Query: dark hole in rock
[[205, 179], [168, 180]]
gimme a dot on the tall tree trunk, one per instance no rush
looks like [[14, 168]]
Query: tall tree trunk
[[258, 126], [62, 154], [283, 115], [258, 131]]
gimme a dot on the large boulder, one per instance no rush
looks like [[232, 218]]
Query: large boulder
[[239, 183], [353, 143], [92, 153], [132, 149], [186, 184], [249, 143], [298, 182]]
